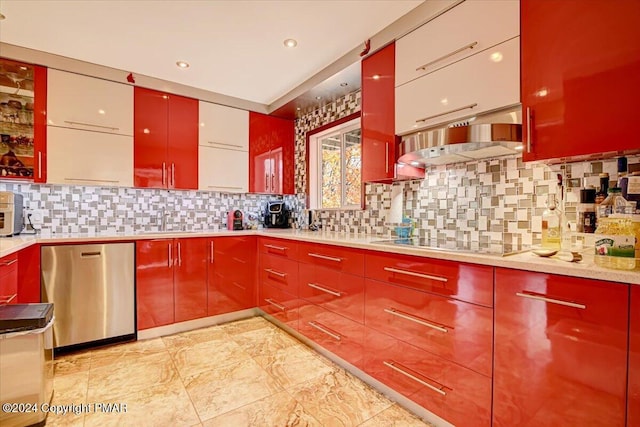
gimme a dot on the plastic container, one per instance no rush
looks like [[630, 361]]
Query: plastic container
[[615, 238]]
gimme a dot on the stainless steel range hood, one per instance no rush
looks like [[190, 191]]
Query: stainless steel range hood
[[494, 134]]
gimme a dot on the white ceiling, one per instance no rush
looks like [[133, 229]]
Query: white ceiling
[[235, 48]]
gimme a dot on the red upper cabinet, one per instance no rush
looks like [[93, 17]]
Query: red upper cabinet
[[165, 140], [579, 80], [560, 355], [271, 154], [633, 396]]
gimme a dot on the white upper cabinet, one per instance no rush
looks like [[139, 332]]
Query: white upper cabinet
[[223, 127], [486, 81], [88, 103], [466, 29], [223, 170]]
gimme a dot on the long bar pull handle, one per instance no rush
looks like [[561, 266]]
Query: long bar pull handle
[[273, 185], [39, 164], [323, 289], [266, 182], [224, 187], [8, 263], [90, 254], [170, 256], [7, 299], [530, 295], [393, 366], [386, 157], [529, 136], [173, 175], [328, 258], [277, 248], [275, 304], [111, 181], [164, 166], [414, 274], [414, 319], [325, 330], [90, 124], [462, 49], [179, 255], [470, 106], [225, 144], [211, 251], [275, 273]]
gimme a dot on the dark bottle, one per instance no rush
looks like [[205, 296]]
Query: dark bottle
[[587, 211], [604, 188], [623, 179]]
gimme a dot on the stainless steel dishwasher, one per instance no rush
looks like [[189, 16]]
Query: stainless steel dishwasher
[[92, 288]]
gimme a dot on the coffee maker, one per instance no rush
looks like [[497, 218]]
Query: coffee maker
[[235, 220], [276, 215]]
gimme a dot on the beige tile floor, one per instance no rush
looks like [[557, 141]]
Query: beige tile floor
[[244, 373]]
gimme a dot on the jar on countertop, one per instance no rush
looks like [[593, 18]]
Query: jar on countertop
[[615, 239]]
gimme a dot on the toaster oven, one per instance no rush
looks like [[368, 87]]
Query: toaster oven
[[10, 213]]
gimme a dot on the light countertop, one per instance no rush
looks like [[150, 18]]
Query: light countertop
[[523, 261]]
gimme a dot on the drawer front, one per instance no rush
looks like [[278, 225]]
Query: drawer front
[[455, 330], [227, 295], [346, 260], [9, 279], [459, 395], [332, 290], [279, 272], [234, 256], [466, 282], [281, 305], [336, 333], [278, 247]]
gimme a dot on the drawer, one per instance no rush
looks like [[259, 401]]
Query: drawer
[[466, 282], [336, 333], [234, 256], [457, 394], [225, 295], [281, 305], [279, 247], [9, 279], [279, 272], [335, 291], [337, 258], [455, 330]]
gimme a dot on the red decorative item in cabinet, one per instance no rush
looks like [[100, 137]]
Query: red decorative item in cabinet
[[633, 396], [271, 154], [579, 81], [190, 278], [560, 355], [154, 283]]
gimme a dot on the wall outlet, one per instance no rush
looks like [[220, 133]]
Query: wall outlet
[[37, 216]]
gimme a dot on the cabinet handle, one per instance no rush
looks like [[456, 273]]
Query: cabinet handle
[[90, 254], [539, 297], [211, 251], [320, 288], [275, 273], [8, 263], [412, 273], [266, 182], [386, 157], [225, 144], [325, 330], [462, 49], [164, 166], [91, 124], [391, 364], [529, 118], [39, 164], [278, 248], [7, 299], [173, 175], [273, 185], [179, 255], [111, 181], [470, 106], [328, 258], [225, 187], [275, 304], [414, 319], [170, 257]]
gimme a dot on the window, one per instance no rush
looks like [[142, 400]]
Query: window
[[335, 163]]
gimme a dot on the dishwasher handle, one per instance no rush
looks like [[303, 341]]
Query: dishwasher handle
[[90, 254]]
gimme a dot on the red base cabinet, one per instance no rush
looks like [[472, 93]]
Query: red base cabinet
[[633, 403], [190, 278], [579, 82], [560, 350], [271, 154], [9, 279], [29, 275], [154, 283]]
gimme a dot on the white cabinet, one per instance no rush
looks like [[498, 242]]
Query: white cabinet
[[78, 157], [468, 28], [88, 103], [483, 82], [223, 170], [223, 127]]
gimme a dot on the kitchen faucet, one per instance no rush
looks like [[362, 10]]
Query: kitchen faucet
[[163, 219]]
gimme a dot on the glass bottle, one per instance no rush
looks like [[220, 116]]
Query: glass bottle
[[615, 235], [551, 220], [604, 188], [587, 211]]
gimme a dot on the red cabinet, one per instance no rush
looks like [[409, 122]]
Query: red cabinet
[[9, 279], [29, 275], [190, 278], [633, 397], [231, 274], [560, 350], [283, 306], [271, 154], [165, 140], [579, 80]]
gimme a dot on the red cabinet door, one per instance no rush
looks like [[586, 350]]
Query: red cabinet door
[[579, 80], [40, 125], [271, 154], [9, 279], [29, 275], [150, 111], [633, 399], [282, 153], [182, 143], [154, 283], [190, 278], [560, 355], [259, 153], [378, 115]]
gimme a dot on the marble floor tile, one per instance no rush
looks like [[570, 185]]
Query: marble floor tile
[[70, 388], [197, 336], [66, 420], [72, 363], [120, 379], [221, 390], [339, 399], [191, 360], [395, 416], [293, 365], [164, 405], [264, 341], [126, 353], [280, 410], [247, 325]]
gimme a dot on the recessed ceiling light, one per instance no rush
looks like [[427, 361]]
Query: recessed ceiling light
[[344, 84], [101, 111], [376, 76], [318, 98], [182, 64], [2, 17], [290, 43], [496, 56]]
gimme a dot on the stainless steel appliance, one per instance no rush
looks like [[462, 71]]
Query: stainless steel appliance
[[10, 213], [92, 288], [276, 215], [26, 363]]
